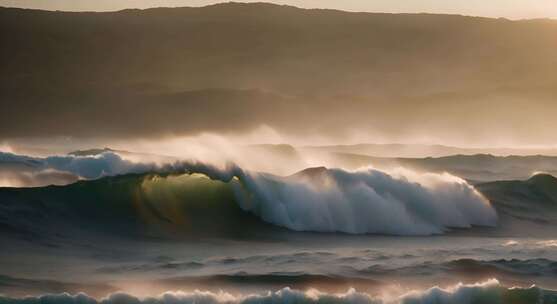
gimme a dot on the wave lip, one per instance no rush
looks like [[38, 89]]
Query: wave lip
[[490, 291]]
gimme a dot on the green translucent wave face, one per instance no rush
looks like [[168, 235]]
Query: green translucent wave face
[[188, 203], [172, 206]]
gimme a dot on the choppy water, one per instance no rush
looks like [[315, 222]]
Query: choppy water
[[227, 235], [373, 265]]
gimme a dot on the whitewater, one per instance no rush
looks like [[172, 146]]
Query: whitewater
[[487, 292]]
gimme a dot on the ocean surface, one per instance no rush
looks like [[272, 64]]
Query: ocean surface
[[194, 233]]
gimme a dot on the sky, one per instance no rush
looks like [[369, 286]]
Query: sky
[[511, 9]]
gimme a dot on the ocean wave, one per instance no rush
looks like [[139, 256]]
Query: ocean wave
[[487, 292], [470, 268], [365, 201], [315, 200]]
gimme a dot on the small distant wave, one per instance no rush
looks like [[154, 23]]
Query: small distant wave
[[487, 292], [471, 268]]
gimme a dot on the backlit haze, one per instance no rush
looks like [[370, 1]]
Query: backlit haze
[[243, 74]]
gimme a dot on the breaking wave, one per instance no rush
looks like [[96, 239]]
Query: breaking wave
[[316, 199], [364, 201], [488, 292]]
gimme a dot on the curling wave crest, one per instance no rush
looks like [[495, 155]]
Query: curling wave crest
[[324, 200]]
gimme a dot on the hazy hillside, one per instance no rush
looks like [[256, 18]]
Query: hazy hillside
[[154, 71]]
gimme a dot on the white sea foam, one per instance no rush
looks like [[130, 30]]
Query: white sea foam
[[548, 243], [365, 201], [486, 292]]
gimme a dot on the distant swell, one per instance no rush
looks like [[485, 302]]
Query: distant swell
[[317, 199], [470, 268], [488, 292]]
